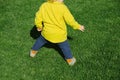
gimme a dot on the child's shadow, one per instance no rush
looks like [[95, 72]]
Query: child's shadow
[[56, 47]]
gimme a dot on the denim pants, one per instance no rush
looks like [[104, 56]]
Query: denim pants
[[64, 46]]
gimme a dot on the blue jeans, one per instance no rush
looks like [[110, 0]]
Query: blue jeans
[[64, 46]]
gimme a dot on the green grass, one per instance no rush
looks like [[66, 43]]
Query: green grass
[[97, 50]]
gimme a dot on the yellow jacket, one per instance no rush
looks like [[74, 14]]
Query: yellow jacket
[[54, 15]]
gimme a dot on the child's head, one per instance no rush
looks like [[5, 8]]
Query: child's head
[[55, 0], [51, 0]]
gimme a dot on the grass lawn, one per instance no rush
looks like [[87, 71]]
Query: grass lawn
[[97, 50]]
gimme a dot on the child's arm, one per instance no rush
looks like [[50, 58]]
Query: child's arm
[[38, 20], [71, 21]]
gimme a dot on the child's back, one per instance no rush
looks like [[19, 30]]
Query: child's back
[[54, 15]]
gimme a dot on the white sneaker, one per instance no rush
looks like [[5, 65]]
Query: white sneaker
[[71, 61], [33, 53]]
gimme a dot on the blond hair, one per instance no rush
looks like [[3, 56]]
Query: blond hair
[[51, 0]]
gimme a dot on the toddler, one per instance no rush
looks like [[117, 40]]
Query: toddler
[[54, 14]]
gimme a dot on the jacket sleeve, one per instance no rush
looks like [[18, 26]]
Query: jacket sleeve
[[38, 18], [69, 19]]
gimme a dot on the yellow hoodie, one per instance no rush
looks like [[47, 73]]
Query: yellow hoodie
[[54, 15]]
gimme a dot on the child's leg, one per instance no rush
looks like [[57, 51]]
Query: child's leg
[[67, 52], [64, 46], [38, 44]]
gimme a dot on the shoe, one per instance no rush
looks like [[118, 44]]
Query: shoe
[[33, 53], [71, 61]]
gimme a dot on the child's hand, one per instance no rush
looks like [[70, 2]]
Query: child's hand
[[39, 29], [82, 28]]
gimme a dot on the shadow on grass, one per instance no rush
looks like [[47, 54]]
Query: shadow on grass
[[55, 47]]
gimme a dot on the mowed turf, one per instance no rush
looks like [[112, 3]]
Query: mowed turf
[[97, 50]]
